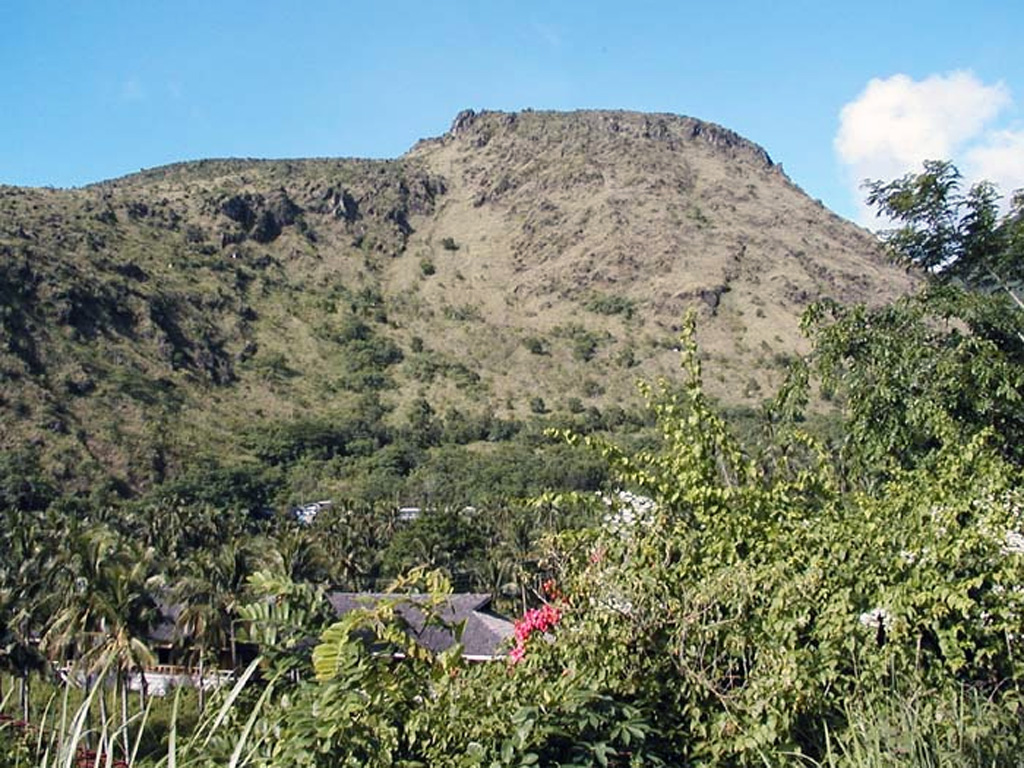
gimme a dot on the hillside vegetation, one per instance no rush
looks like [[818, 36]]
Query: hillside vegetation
[[232, 318]]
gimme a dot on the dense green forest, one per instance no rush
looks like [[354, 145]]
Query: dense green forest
[[695, 587]]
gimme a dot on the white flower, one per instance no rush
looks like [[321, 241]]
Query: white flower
[[875, 618], [1013, 543], [626, 510]]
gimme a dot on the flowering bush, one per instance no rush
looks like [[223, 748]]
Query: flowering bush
[[534, 621]]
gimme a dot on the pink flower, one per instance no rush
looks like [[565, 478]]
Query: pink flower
[[534, 620]]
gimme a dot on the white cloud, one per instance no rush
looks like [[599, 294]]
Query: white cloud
[[896, 123], [999, 159]]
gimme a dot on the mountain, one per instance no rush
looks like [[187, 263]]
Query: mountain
[[258, 312]]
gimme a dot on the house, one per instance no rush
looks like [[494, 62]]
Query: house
[[484, 633], [484, 636], [306, 513], [409, 514], [176, 664]]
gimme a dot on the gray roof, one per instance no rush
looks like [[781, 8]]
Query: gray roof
[[483, 635], [164, 631]]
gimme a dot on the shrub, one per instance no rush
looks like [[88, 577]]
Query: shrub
[[604, 304], [535, 345]]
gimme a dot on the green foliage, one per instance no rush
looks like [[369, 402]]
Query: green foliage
[[353, 433], [437, 710], [584, 342], [718, 602], [735, 606], [279, 619], [23, 484], [249, 486], [463, 313], [535, 345], [607, 304], [928, 728], [626, 357], [951, 233], [448, 540], [924, 374]]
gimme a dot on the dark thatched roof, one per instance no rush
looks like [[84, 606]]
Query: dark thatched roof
[[483, 632]]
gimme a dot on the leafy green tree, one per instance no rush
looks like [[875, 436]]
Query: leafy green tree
[[446, 539], [927, 372], [935, 369], [211, 590], [23, 485], [951, 233], [736, 607], [27, 555], [352, 537]]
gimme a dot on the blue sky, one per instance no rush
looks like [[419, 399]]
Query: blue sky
[[834, 91]]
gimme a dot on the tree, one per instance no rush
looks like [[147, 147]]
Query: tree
[[439, 539], [109, 588], [210, 593], [938, 368], [952, 234], [30, 551], [928, 372]]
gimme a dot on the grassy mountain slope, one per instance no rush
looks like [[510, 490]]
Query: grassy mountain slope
[[521, 263]]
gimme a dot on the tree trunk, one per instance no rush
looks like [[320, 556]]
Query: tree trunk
[[123, 679], [25, 696], [89, 683], [104, 719], [202, 683], [143, 690]]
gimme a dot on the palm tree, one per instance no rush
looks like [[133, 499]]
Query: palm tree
[[301, 554], [201, 623], [19, 656], [209, 593], [109, 607], [347, 558], [514, 546], [26, 554]]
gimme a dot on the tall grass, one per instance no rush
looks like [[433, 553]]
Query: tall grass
[[922, 728], [72, 730], [913, 727]]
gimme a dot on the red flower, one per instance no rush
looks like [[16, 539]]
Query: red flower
[[534, 620]]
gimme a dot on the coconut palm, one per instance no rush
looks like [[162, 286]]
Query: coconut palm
[[26, 557], [209, 592], [108, 610]]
